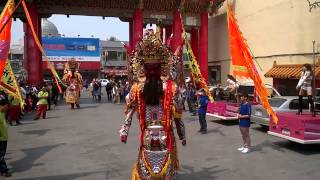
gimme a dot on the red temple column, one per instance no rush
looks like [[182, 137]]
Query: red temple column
[[203, 45], [131, 34], [195, 42], [177, 30], [32, 55], [137, 26]]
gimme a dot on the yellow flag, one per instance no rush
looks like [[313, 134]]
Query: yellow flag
[[9, 83]]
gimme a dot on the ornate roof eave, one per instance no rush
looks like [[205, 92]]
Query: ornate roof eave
[[289, 71]]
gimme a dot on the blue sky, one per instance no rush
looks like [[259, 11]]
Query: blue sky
[[85, 26]]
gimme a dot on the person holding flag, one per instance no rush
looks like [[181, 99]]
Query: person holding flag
[[14, 110], [42, 104], [3, 134]]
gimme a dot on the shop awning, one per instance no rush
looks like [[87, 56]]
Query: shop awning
[[83, 66], [116, 72], [288, 71]]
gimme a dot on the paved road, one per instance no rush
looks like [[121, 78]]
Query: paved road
[[84, 145]]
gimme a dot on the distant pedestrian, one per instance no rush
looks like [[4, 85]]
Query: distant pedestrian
[[116, 93], [42, 103], [109, 91], [193, 100], [3, 134], [244, 123], [203, 103], [55, 94], [97, 90], [49, 90]]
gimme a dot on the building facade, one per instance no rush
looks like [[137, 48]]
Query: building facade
[[278, 31], [113, 59]]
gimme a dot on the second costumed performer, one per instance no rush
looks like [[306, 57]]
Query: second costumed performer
[[153, 96], [73, 79]]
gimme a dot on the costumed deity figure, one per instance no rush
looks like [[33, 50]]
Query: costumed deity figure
[[154, 96], [305, 88], [73, 79]]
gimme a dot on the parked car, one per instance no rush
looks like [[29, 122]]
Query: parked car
[[249, 89], [260, 116], [246, 88], [104, 82]]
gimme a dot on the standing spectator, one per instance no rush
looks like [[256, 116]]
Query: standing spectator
[[42, 103], [244, 123], [203, 103], [193, 100], [14, 110], [109, 91], [86, 85], [116, 93], [218, 93], [34, 97], [183, 92], [49, 90], [55, 94], [3, 135], [188, 93], [126, 89], [97, 90], [121, 92], [23, 92]]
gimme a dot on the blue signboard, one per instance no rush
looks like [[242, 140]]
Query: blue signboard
[[60, 48]]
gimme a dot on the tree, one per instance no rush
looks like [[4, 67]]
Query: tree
[[113, 38]]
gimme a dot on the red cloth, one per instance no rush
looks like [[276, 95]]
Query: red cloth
[[41, 109], [14, 113]]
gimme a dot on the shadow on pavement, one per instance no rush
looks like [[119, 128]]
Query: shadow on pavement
[[88, 106], [226, 122], [282, 146], [53, 117], [63, 177], [216, 130], [306, 149], [36, 132], [189, 173], [266, 144], [31, 155], [263, 129]]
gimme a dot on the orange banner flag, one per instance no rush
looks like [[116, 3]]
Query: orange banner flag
[[37, 41], [5, 34], [242, 62]]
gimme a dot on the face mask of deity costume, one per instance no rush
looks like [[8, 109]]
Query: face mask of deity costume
[[152, 95]]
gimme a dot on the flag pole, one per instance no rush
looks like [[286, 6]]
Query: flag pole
[[314, 72]]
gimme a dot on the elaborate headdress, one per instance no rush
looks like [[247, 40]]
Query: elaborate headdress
[[71, 64], [150, 51]]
